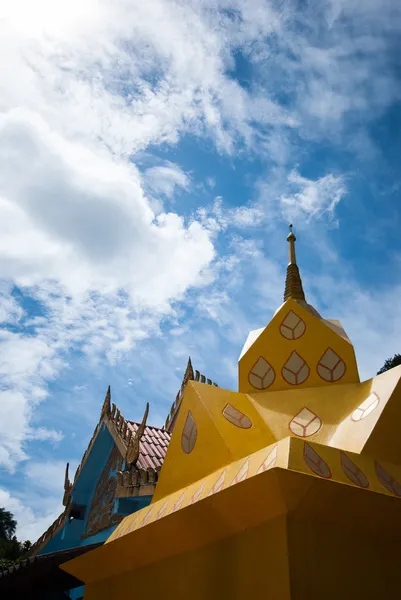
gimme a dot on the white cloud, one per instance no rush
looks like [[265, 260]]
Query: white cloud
[[166, 179], [48, 476], [30, 523], [308, 198]]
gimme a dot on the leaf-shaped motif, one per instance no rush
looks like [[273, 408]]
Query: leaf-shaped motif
[[162, 510], [189, 434], [331, 366], [316, 462], [295, 371], [179, 502], [219, 484], [269, 461], [388, 480], [242, 473], [292, 326], [146, 518], [236, 417], [353, 472], [305, 423], [367, 407], [197, 494], [262, 374]]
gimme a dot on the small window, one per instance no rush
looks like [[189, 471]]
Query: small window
[[77, 512]]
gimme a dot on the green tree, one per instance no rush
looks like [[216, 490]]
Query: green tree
[[390, 363], [8, 524], [11, 550]]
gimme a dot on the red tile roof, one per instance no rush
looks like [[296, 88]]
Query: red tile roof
[[153, 446]]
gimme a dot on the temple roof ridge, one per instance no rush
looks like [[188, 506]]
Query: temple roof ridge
[[189, 375]]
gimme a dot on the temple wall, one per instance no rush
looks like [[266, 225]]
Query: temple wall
[[236, 567], [280, 560]]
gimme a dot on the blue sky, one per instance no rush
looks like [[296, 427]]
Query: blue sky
[[151, 157]]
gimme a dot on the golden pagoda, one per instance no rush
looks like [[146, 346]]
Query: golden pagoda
[[288, 488]]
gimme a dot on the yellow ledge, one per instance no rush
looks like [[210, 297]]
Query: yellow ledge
[[290, 478]]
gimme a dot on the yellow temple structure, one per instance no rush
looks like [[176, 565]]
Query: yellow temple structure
[[289, 488]]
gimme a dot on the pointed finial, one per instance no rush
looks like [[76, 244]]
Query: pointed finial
[[188, 375], [66, 477], [133, 448], [142, 426], [293, 283], [67, 486], [291, 248], [106, 408]]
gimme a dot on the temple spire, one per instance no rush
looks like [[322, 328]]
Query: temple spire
[[293, 283]]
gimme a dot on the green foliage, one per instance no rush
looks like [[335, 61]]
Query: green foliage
[[11, 550], [8, 524], [390, 363]]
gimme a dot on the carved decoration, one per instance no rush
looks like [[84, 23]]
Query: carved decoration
[[316, 462], [295, 371], [262, 374], [100, 511], [189, 434], [133, 449], [106, 408], [236, 417], [67, 487], [292, 327], [305, 423], [331, 367]]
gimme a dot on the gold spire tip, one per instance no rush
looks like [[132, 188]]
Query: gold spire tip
[[291, 235], [293, 283]]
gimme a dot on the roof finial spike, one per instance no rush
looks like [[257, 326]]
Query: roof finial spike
[[293, 283], [106, 408], [291, 247], [134, 444], [67, 486]]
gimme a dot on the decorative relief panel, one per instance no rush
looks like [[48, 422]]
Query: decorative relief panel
[[197, 494], [262, 374], [331, 367], [353, 472], [305, 423], [387, 480], [292, 326], [367, 407], [269, 462], [236, 417], [189, 434], [179, 502], [219, 484], [100, 511], [295, 371], [316, 462], [242, 473]]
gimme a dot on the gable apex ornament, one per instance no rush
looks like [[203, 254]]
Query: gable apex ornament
[[132, 453], [67, 487], [188, 375], [106, 408]]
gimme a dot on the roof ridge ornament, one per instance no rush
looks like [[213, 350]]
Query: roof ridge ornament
[[132, 453], [293, 282], [67, 486], [106, 408], [188, 375]]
